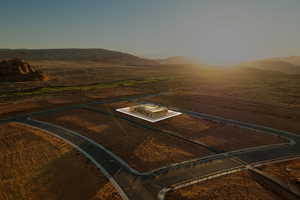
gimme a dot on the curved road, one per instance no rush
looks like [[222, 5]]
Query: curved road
[[134, 185], [124, 178]]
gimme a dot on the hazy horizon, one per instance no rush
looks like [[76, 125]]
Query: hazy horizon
[[211, 31]]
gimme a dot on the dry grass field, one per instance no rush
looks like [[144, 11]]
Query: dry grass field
[[183, 123], [276, 116], [186, 125], [288, 172], [253, 95], [37, 166], [49, 101], [257, 96], [229, 138], [237, 186], [116, 105], [143, 149], [217, 135]]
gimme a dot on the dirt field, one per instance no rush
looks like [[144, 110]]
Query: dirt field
[[238, 186], [67, 98], [184, 124], [288, 172], [231, 138], [217, 135], [66, 74], [37, 166], [256, 96], [143, 149], [116, 105], [278, 116]]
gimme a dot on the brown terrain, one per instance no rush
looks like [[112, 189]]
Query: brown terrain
[[35, 165], [229, 138], [287, 172], [261, 96], [18, 70], [277, 115], [96, 55], [217, 135], [289, 65], [49, 101], [237, 186], [145, 150]]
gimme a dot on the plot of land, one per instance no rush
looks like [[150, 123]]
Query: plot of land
[[169, 114], [37, 166], [288, 172], [219, 136], [33, 165], [143, 149], [275, 116], [116, 105], [39, 103], [185, 124], [238, 186], [231, 138]]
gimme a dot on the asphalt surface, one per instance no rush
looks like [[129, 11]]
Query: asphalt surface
[[140, 186], [122, 176], [272, 183]]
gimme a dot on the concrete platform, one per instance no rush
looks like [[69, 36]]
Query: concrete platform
[[170, 114]]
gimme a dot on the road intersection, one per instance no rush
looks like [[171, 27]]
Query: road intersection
[[132, 184]]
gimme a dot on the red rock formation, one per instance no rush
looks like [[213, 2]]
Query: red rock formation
[[18, 70]]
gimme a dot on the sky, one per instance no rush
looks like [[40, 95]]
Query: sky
[[212, 31]]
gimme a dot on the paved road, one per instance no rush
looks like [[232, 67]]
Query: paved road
[[125, 179], [145, 126], [248, 155], [274, 184], [134, 185], [198, 170]]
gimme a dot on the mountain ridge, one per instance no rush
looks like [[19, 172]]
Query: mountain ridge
[[77, 54], [287, 65]]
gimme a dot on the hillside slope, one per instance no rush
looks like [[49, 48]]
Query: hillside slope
[[176, 60], [275, 64], [96, 55], [295, 60]]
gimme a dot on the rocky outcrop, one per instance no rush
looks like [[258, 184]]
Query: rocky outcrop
[[18, 70]]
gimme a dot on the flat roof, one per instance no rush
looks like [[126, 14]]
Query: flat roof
[[169, 114], [152, 107]]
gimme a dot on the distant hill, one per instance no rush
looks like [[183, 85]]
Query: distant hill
[[289, 65], [176, 60], [97, 55], [16, 70], [295, 60]]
